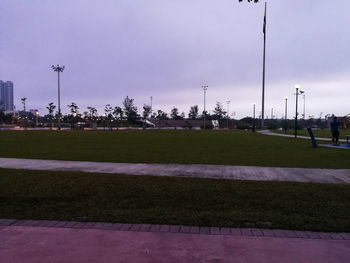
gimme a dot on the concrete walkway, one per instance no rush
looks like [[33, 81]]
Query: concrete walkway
[[54, 241], [268, 132], [336, 176]]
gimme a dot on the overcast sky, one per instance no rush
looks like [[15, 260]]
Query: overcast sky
[[168, 49]]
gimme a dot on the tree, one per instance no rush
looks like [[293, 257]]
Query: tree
[[73, 108], [51, 108], [161, 115], [193, 114], [86, 115], [154, 115], [118, 113], [219, 112], [146, 111], [130, 109], [92, 113], [108, 111], [24, 103], [174, 113], [182, 115], [108, 115]]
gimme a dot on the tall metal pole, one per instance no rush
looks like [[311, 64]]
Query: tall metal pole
[[253, 117], [304, 107], [263, 81], [36, 118], [296, 112], [205, 88], [151, 106], [296, 107], [228, 111], [285, 115], [58, 69], [59, 102]]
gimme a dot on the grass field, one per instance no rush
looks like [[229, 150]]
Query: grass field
[[317, 133], [170, 146], [186, 201]]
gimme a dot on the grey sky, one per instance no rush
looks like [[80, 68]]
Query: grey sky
[[168, 49]]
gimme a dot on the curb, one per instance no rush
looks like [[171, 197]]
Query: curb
[[257, 232]]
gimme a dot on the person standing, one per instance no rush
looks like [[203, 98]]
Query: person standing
[[335, 130]]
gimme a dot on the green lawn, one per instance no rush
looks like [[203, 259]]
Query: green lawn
[[317, 133], [171, 146], [165, 200]]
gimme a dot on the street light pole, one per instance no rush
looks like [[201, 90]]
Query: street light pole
[[205, 88], [263, 80], [228, 111], [285, 115], [36, 118], [58, 69], [151, 106], [304, 107], [297, 93], [253, 118]]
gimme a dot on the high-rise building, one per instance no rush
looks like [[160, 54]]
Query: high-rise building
[[6, 96]]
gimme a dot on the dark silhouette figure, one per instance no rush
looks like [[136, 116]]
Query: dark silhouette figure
[[335, 130]]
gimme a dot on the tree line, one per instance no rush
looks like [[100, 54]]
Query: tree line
[[131, 113], [127, 112]]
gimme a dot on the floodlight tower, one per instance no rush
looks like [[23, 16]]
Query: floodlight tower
[[253, 126], [228, 111], [58, 69], [297, 93], [285, 115], [205, 88]]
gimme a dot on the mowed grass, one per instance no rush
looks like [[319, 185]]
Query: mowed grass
[[80, 196], [317, 133], [171, 146]]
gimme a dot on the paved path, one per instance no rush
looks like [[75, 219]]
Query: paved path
[[55, 241], [268, 132], [337, 176]]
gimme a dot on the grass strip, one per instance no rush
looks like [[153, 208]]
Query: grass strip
[[317, 133], [171, 146], [169, 200]]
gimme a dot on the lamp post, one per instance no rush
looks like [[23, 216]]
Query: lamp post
[[58, 69], [205, 88], [228, 111], [253, 129], [297, 93], [285, 115], [36, 118], [151, 106], [304, 107]]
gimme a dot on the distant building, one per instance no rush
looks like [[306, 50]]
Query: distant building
[[6, 96]]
